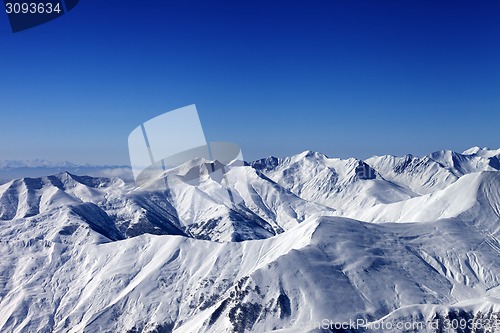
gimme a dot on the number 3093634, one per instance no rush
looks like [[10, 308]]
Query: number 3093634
[[32, 8]]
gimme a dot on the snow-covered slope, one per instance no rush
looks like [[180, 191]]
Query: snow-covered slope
[[331, 182], [434, 171], [260, 249], [475, 194], [260, 207], [482, 152], [59, 275]]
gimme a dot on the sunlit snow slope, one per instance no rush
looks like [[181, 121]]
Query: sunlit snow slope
[[300, 240]]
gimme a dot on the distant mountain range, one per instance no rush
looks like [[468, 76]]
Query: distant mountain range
[[37, 163], [13, 169], [301, 244]]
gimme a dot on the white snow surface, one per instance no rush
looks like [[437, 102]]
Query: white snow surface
[[301, 241]]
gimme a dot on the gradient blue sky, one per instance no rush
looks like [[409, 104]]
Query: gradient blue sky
[[346, 78]]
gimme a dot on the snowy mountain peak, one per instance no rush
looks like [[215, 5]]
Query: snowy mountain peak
[[473, 150], [309, 154], [434, 171], [482, 152], [277, 245], [473, 192]]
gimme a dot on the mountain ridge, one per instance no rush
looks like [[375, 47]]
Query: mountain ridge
[[299, 240]]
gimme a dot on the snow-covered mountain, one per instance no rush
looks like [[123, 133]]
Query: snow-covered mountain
[[301, 244], [435, 171], [37, 163], [13, 169], [332, 182]]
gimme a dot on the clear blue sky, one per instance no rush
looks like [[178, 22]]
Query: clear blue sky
[[346, 78]]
